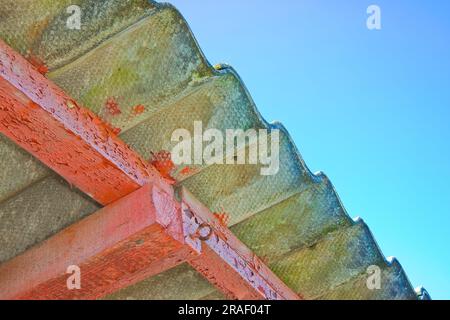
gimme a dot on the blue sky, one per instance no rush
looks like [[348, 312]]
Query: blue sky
[[369, 108]]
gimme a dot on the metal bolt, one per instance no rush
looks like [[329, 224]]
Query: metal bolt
[[202, 227]]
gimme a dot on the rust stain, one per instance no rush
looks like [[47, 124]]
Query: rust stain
[[139, 109], [162, 161], [115, 130], [223, 217], [38, 63], [187, 171], [112, 107], [264, 259]]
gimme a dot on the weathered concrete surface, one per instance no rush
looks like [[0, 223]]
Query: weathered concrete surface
[[40, 210], [394, 284], [38, 28], [147, 55]]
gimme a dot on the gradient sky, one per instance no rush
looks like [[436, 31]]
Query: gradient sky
[[369, 108]]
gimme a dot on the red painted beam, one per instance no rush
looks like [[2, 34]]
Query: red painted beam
[[224, 260], [140, 235], [68, 138], [134, 238]]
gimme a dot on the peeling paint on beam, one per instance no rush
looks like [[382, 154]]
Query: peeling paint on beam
[[140, 235], [132, 239], [70, 139], [224, 260]]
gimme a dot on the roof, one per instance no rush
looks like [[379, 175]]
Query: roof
[[145, 54]]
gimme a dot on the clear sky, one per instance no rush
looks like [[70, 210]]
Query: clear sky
[[374, 106]]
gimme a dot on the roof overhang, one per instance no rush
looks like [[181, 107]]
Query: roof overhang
[[143, 230]]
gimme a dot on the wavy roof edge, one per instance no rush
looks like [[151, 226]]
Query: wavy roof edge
[[421, 292]]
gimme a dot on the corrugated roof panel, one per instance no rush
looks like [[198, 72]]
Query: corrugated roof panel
[[145, 54]]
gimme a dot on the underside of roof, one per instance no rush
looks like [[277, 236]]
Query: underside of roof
[[140, 53]]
